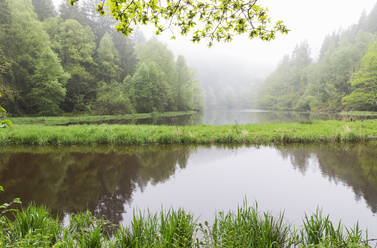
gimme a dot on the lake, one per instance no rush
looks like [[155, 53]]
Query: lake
[[230, 117], [113, 181]]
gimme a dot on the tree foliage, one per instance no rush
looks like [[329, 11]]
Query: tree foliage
[[149, 89], [112, 98], [364, 83], [288, 82], [341, 79], [44, 9], [76, 63], [108, 59], [213, 20], [3, 123], [35, 67], [75, 46]]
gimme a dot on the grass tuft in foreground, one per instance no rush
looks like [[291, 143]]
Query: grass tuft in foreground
[[288, 133], [243, 228], [247, 227]]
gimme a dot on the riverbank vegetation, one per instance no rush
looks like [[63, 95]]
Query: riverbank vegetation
[[308, 132], [68, 120], [75, 62], [3, 123], [359, 113], [245, 227], [342, 78]]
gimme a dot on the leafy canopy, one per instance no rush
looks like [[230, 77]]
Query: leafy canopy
[[3, 123], [364, 83], [215, 20]]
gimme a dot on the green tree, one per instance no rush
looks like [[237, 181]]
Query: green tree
[[44, 9], [48, 92], [3, 123], [300, 84], [215, 20], [186, 89], [75, 47], [112, 98], [330, 78], [68, 12], [108, 60], [4, 64], [287, 84], [364, 83], [29, 47], [6, 73], [127, 54], [370, 22], [157, 56], [148, 88]]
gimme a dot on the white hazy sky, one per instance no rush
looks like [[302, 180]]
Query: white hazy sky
[[309, 20]]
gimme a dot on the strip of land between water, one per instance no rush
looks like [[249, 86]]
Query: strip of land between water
[[285, 133]]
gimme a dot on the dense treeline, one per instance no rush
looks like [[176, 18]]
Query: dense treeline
[[74, 62], [343, 78]]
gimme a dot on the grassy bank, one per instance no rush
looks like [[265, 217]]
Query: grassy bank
[[359, 113], [316, 132], [65, 120], [246, 227]]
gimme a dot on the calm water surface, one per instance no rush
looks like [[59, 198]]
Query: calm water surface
[[230, 117], [112, 181]]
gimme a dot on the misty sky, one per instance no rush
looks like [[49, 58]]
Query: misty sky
[[309, 20]]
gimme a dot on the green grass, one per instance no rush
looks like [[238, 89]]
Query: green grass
[[360, 113], [246, 227], [288, 133], [319, 231], [87, 119]]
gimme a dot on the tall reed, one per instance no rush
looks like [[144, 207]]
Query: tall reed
[[247, 227], [244, 228]]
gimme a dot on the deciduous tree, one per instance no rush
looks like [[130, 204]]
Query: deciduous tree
[[364, 83], [215, 20]]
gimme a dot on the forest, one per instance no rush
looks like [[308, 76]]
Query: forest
[[342, 78], [72, 61]]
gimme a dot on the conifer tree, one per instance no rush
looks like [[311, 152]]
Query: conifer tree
[[108, 60], [364, 83]]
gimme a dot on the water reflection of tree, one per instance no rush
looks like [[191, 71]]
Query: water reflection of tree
[[220, 117], [72, 181], [354, 165]]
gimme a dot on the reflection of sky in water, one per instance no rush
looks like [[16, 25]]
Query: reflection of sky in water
[[219, 179], [230, 117], [111, 181], [225, 117]]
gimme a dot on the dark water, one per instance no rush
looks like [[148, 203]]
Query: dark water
[[111, 181], [230, 117]]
